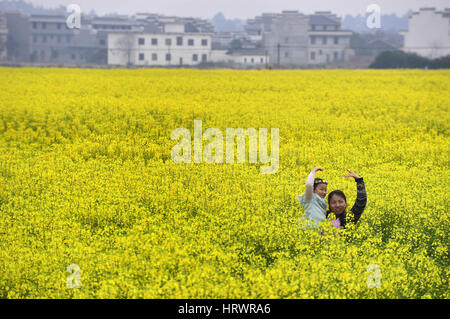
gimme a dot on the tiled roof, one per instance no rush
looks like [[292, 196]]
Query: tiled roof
[[322, 20], [247, 52]]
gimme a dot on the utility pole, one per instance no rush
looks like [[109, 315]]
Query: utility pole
[[265, 54], [278, 49], [168, 55]]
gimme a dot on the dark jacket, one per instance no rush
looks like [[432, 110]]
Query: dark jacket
[[358, 207]]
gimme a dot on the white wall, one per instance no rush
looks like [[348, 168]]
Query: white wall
[[428, 34], [174, 27], [247, 59]]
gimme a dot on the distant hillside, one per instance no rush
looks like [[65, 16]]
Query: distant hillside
[[221, 24], [29, 8], [389, 23]]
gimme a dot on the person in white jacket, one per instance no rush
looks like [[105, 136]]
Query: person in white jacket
[[313, 200]]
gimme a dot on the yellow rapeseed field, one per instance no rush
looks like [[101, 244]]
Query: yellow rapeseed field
[[93, 206]]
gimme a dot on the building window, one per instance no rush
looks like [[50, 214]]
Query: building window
[[324, 40], [44, 39], [67, 39], [313, 40], [204, 57], [168, 57], [252, 60], [204, 42], [73, 56], [336, 56], [102, 41], [168, 41], [58, 26], [195, 57], [179, 40], [59, 39], [34, 38], [141, 56], [336, 40], [34, 25], [286, 54], [44, 25], [262, 60], [245, 60], [313, 27], [54, 54], [141, 41], [313, 55], [336, 27], [191, 42], [320, 52], [154, 57], [154, 41]]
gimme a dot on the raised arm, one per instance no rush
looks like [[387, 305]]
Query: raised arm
[[361, 197], [309, 187]]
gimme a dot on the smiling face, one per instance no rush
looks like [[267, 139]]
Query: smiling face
[[321, 190], [337, 204]]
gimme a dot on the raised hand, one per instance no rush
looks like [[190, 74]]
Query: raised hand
[[352, 174], [317, 169]]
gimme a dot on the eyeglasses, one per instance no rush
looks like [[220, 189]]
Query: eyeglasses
[[320, 181]]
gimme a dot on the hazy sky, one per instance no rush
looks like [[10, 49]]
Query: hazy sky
[[242, 9]]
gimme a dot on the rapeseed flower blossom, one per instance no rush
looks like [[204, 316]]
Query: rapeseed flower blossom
[[86, 178]]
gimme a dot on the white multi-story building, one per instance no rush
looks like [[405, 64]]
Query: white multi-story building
[[428, 33], [174, 46]]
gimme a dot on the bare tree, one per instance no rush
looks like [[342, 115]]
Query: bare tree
[[3, 37], [12, 49], [435, 49], [2, 48], [125, 45]]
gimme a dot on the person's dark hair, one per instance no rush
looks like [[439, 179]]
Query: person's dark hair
[[318, 181], [333, 193]]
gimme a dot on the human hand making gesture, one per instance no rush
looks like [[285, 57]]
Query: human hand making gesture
[[352, 174]]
